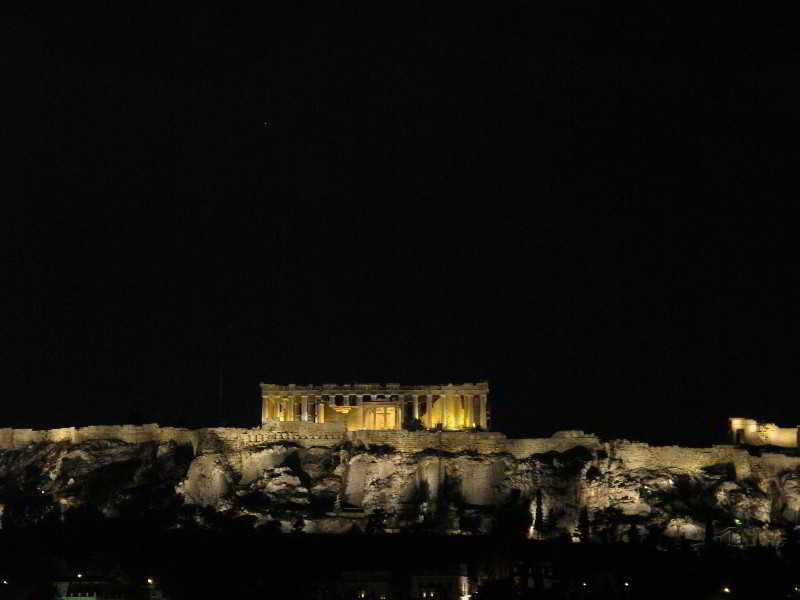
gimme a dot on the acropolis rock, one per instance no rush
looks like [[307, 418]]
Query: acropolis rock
[[453, 477]]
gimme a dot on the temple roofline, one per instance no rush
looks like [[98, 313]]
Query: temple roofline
[[375, 388]]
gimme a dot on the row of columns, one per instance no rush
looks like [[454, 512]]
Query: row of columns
[[283, 409]]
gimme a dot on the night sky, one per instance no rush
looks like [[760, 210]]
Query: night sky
[[589, 211]]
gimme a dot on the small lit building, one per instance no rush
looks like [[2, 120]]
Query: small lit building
[[368, 585], [91, 588], [750, 431], [440, 583]]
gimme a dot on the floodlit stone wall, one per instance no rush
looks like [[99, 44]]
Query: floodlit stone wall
[[19, 438], [302, 433], [637, 455], [523, 448], [750, 431], [212, 439], [215, 440], [448, 441]]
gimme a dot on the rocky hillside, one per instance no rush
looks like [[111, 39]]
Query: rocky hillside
[[606, 491]]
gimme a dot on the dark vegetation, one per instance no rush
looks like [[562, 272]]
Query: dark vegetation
[[199, 552], [231, 558]]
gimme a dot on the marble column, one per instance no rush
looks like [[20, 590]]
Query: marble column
[[416, 406], [320, 410], [304, 400], [398, 417], [443, 400], [483, 421], [429, 410], [471, 411]]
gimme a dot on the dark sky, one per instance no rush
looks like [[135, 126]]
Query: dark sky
[[589, 210]]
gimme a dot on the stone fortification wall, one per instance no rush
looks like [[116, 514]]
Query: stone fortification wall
[[523, 448], [11, 439], [750, 431], [299, 427], [636, 455], [212, 439], [449, 441], [303, 433]]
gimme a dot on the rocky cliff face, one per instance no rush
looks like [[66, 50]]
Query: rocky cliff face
[[613, 491]]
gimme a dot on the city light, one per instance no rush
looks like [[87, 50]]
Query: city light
[[5, 581], [80, 575], [726, 590], [149, 581]]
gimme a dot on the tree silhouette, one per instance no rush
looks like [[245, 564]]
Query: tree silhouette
[[709, 533], [376, 522], [299, 525], [538, 518], [633, 534], [584, 525]]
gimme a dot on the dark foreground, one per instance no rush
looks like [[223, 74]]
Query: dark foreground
[[138, 558]]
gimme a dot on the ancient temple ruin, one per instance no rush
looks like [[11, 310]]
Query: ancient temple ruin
[[372, 406]]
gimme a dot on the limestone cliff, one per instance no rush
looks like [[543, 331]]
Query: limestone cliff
[[569, 485]]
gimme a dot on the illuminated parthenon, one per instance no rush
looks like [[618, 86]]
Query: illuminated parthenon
[[379, 406]]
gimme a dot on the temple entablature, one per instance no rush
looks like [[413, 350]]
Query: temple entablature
[[379, 406]]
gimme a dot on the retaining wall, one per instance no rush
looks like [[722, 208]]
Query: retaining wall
[[230, 439], [211, 439], [523, 448], [450, 441]]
